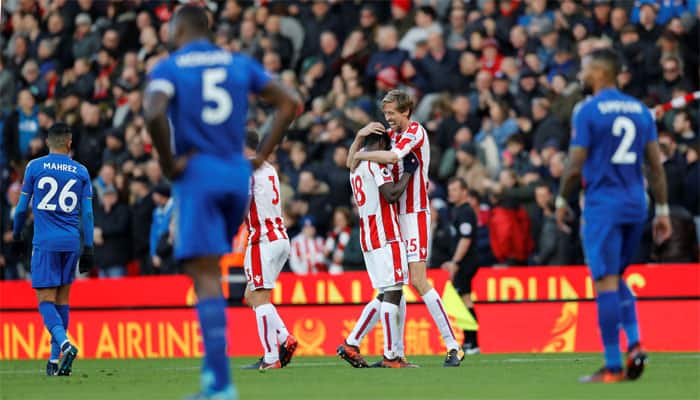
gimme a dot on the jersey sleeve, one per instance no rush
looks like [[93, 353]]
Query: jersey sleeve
[[258, 76], [162, 79], [381, 174], [581, 134], [652, 134], [87, 185], [409, 141], [466, 224], [28, 183]]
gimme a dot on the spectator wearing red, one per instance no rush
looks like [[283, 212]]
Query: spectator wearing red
[[337, 239]]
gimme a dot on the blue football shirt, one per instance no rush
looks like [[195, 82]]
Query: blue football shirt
[[208, 89], [57, 186], [615, 129]]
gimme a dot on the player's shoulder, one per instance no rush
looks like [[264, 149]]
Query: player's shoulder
[[82, 170], [585, 106]]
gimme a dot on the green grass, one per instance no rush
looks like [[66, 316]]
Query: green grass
[[505, 376]]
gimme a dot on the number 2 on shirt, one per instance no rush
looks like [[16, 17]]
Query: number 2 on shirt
[[623, 155]]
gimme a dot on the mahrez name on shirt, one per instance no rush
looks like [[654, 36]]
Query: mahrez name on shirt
[[61, 167]]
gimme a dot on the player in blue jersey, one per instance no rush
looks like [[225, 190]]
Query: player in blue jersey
[[61, 195], [613, 134], [200, 92]]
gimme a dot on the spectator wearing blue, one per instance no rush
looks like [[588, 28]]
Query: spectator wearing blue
[[20, 128], [161, 220], [666, 9], [536, 14]]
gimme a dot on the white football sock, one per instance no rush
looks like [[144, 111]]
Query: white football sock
[[368, 319], [402, 327], [390, 325], [280, 327], [437, 311], [265, 317]]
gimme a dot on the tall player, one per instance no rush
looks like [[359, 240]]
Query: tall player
[[266, 253], [409, 137], [61, 195], [613, 133], [201, 92], [375, 193]]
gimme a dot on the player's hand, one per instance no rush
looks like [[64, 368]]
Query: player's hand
[[662, 229], [87, 260], [451, 267], [564, 216], [17, 247], [410, 163], [257, 162], [371, 128]]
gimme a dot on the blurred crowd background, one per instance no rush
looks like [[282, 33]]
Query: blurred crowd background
[[495, 83]]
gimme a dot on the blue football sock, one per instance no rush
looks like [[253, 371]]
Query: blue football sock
[[212, 319], [53, 322], [63, 310], [628, 311], [609, 322]]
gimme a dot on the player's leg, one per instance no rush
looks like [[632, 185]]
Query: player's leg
[[390, 326], [210, 202], [349, 350], [211, 310], [603, 245], [414, 228], [267, 330], [400, 347], [63, 309], [636, 357], [463, 284]]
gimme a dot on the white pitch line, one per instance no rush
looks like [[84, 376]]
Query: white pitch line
[[301, 364]]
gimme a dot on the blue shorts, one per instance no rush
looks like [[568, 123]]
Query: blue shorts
[[609, 247], [53, 268], [211, 199]]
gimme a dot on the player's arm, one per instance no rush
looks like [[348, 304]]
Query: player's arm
[[569, 181], [155, 106], [409, 141], [371, 128], [392, 190], [466, 224], [87, 258], [20, 216], [287, 104], [657, 183]]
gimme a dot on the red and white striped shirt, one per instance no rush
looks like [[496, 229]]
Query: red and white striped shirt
[[307, 255], [335, 247], [379, 221], [413, 140], [264, 219]]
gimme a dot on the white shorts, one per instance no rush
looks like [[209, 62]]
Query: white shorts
[[414, 230], [263, 263], [387, 266]]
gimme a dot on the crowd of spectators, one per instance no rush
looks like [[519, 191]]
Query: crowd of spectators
[[495, 83]]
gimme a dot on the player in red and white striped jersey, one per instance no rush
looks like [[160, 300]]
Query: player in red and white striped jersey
[[375, 194], [267, 251], [409, 137]]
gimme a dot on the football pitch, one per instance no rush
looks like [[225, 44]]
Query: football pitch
[[502, 376]]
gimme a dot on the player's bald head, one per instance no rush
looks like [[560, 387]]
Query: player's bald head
[[189, 22]]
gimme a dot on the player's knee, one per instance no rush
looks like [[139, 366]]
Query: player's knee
[[420, 283], [608, 283], [259, 297], [393, 295]]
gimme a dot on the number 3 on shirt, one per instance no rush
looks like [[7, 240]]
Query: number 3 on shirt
[[276, 199], [213, 93], [360, 197]]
